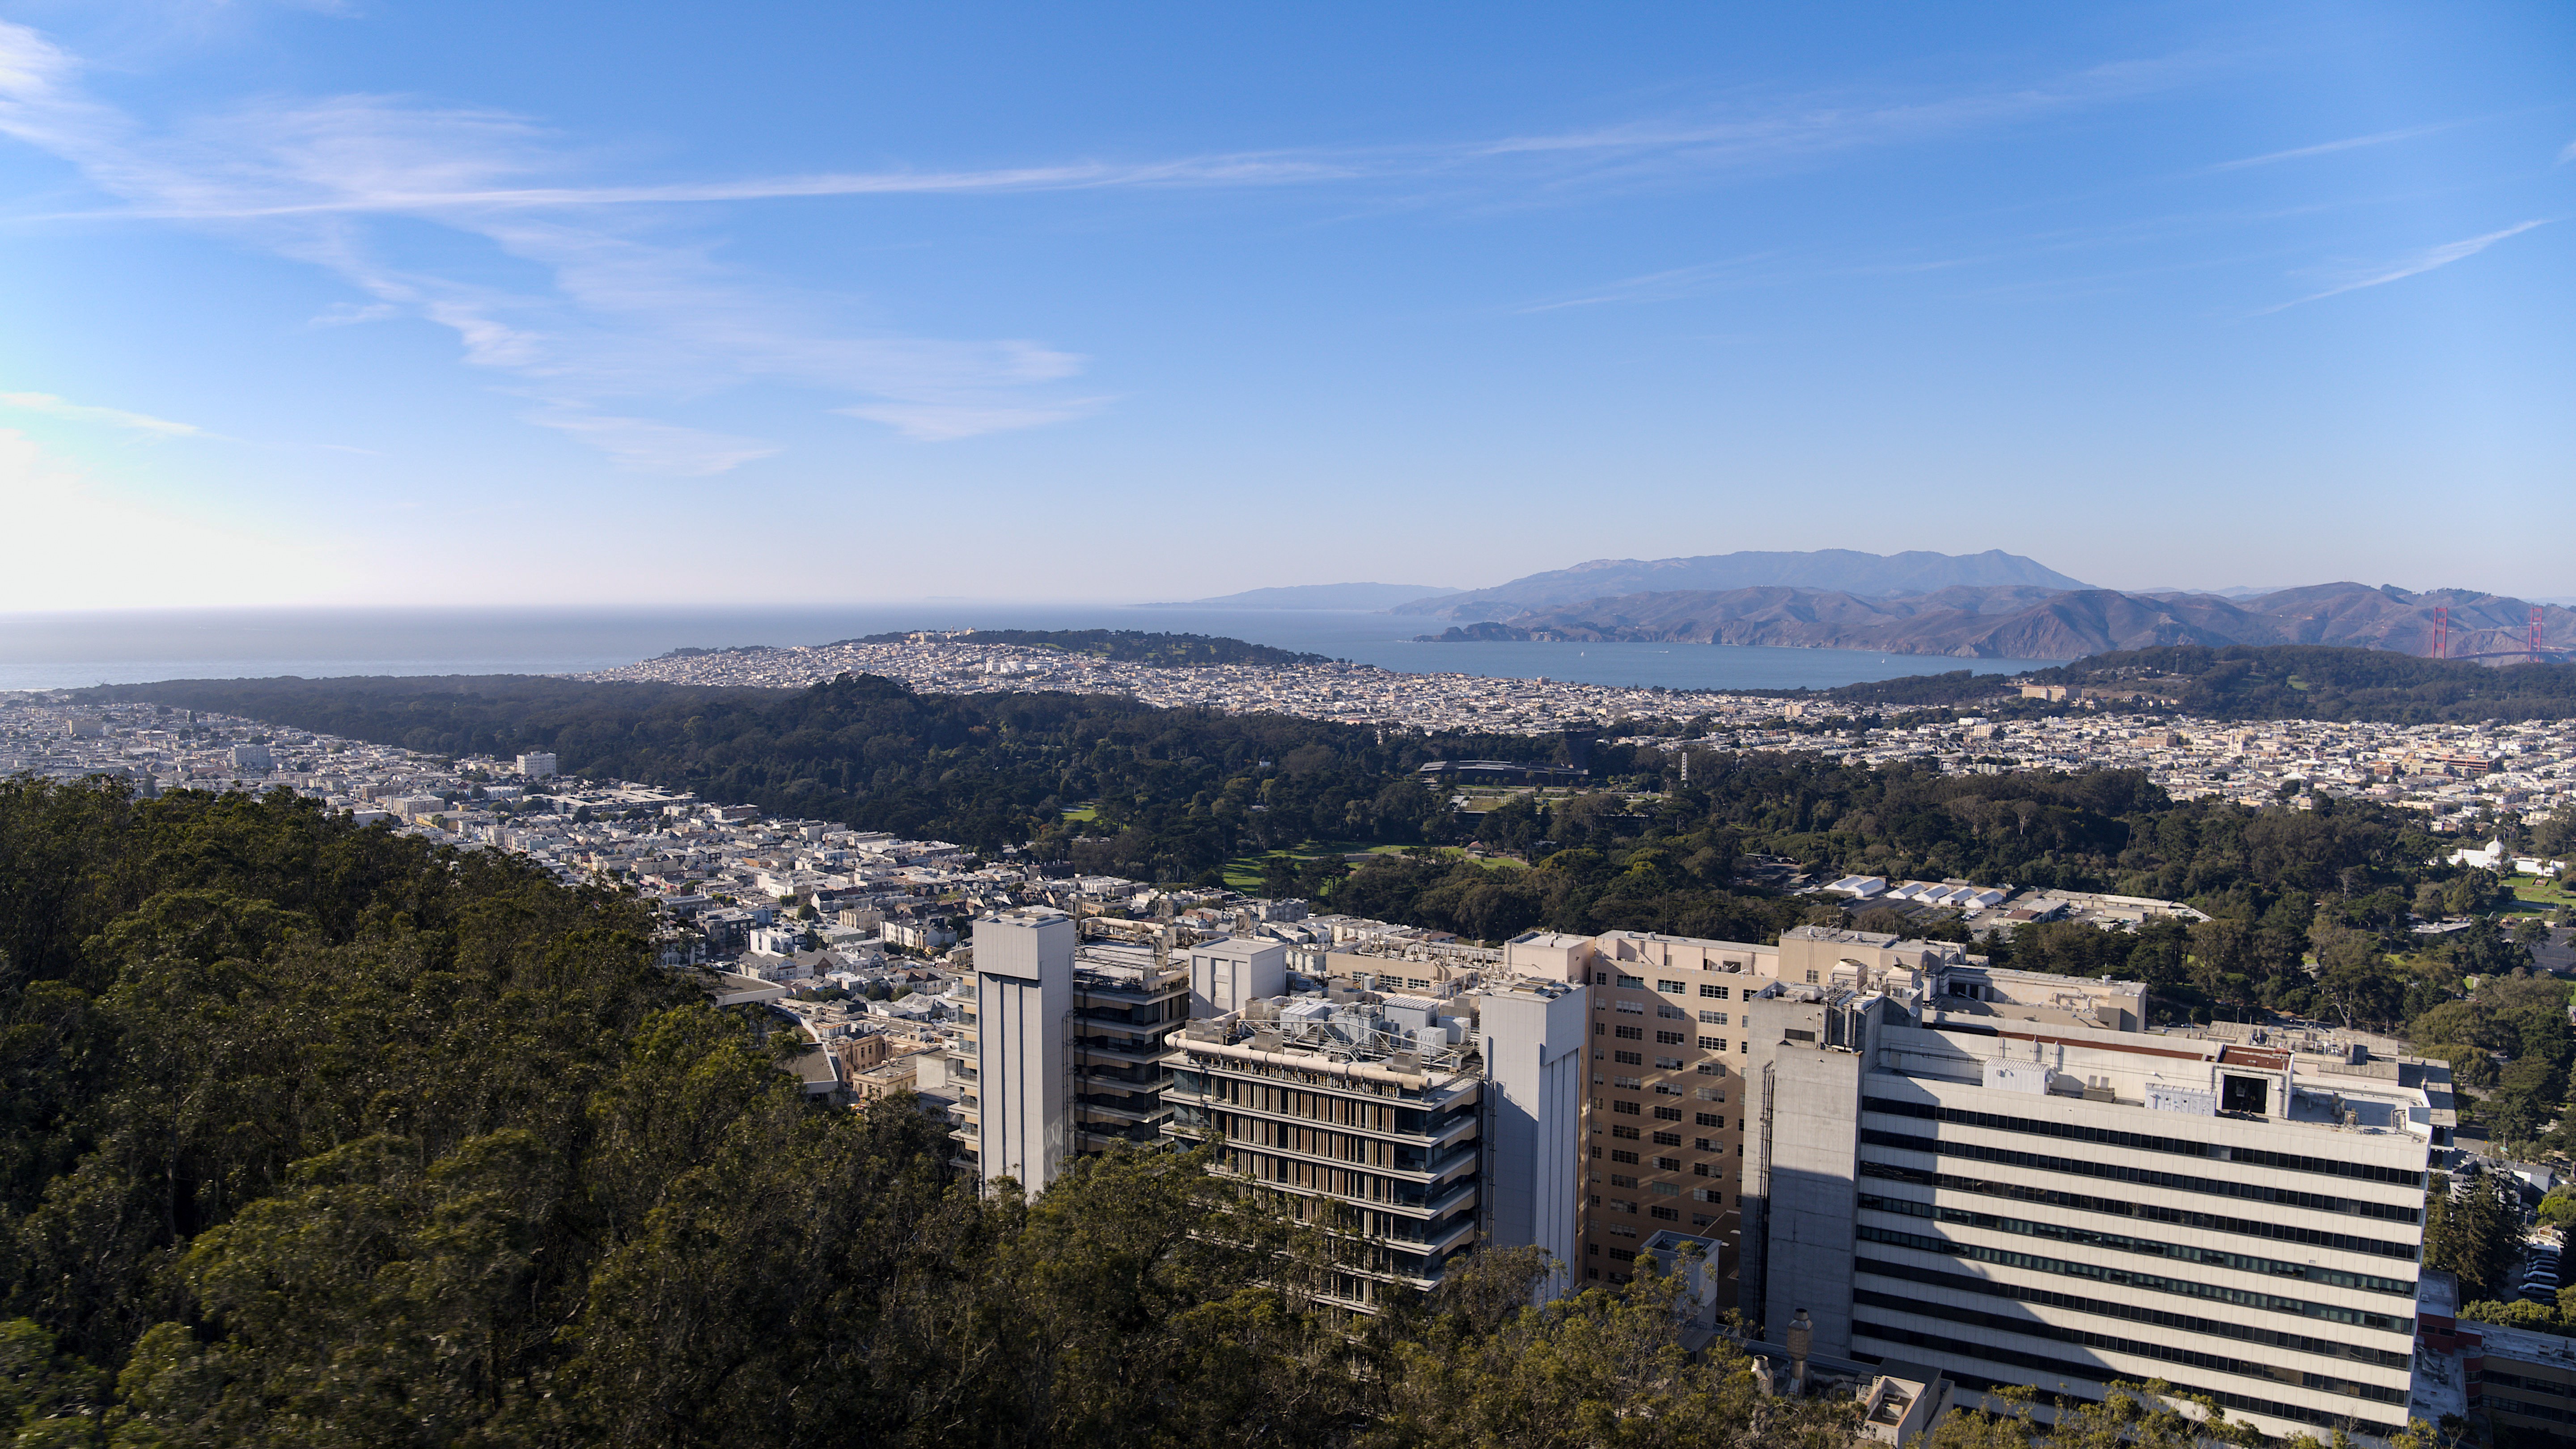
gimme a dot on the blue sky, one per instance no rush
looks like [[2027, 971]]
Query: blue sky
[[637, 302]]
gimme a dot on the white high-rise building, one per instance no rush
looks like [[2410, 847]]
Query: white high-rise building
[[1531, 1034], [536, 766], [1023, 993], [2003, 1175]]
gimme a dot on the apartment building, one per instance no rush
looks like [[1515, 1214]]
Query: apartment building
[[1127, 1004], [1062, 1050], [1664, 1129], [2003, 1175], [1367, 1115]]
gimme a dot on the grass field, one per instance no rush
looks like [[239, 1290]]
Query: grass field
[[1244, 872], [2539, 891]]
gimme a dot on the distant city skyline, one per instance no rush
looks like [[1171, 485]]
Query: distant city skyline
[[485, 304]]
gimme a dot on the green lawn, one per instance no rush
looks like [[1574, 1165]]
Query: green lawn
[[1244, 872], [1082, 812], [2533, 890]]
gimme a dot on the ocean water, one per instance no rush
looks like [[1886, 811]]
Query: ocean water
[[71, 650]]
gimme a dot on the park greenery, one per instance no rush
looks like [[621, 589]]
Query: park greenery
[[2309, 907], [2254, 682]]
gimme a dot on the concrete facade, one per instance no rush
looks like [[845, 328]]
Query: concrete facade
[[1023, 992], [1228, 972], [1531, 1035]]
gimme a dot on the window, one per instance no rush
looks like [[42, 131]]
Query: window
[[2235, 1094], [1668, 1064], [1674, 986], [1622, 1230], [1707, 1194], [1700, 1169], [1627, 1109], [1712, 1043], [1622, 1255], [1633, 1008], [1713, 993], [1715, 1069], [1711, 1119], [1631, 1033], [1713, 1018], [1698, 1220], [1596, 1028], [1665, 1114], [1639, 982], [1705, 1145], [1667, 1214], [1663, 1189], [1596, 1152], [1668, 1139], [1628, 1132], [1618, 1154], [1591, 1272], [1668, 1038], [1631, 1084], [1667, 1089], [1710, 1094], [1629, 1059], [1600, 978], [1811, 977], [1798, 1035], [1593, 1249], [1621, 1179], [1668, 1164], [1672, 1013]]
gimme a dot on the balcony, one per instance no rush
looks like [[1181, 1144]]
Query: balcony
[[1142, 1133], [1138, 1108], [1132, 1049]]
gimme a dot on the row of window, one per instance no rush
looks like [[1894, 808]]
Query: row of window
[[2148, 1142], [2062, 1370], [2149, 1247], [2137, 1313], [2516, 1381], [2113, 1343], [2122, 1207], [1677, 988], [2142, 1176], [2131, 1278]]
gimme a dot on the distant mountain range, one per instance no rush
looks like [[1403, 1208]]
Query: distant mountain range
[[2026, 622], [1317, 596], [1840, 570]]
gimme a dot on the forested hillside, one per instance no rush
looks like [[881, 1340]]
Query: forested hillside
[[986, 770], [2286, 681], [318, 1136]]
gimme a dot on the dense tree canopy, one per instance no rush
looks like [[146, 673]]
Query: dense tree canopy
[[2273, 681], [321, 1136]]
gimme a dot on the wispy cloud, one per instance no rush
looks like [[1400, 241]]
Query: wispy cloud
[[2328, 148], [2421, 262], [47, 403], [645, 446], [1669, 285], [633, 313]]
